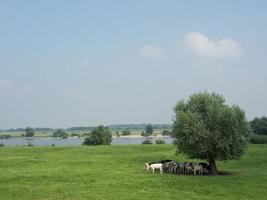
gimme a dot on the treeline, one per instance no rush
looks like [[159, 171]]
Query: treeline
[[121, 127], [138, 126], [116, 127], [259, 127], [24, 129]]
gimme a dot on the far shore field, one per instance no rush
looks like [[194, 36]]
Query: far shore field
[[134, 134]]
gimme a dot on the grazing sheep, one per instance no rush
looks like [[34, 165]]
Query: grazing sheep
[[205, 166], [198, 168], [154, 166], [181, 167], [188, 168]]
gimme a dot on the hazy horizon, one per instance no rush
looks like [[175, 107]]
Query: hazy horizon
[[85, 63]]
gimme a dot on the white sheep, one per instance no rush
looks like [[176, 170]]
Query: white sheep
[[154, 166]]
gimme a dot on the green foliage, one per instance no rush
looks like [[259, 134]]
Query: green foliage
[[5, 136], [29, 132], [85, 134], [159, 141], [126, 132], [30, 145], [258, 139], [99, 136], [60, 133], [206, 128], [75, 135], [117, 134], [149, 130], [2, 145], [165, 132], [259, 125], [147, 141]]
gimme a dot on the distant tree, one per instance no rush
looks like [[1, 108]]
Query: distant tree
[[159, 141], [6, 136], [206, 128], [29, 132], [30, 144], [117, 134], [259, 125], [147, 142], [149, 130], [126, 132], [165, 132], [99, 136], [60, 133]]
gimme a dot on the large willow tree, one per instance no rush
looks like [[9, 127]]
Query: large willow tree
[[205, 127]]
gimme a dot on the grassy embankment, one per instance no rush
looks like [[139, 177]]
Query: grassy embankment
[[117, 172]]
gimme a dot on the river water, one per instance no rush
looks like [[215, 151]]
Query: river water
[[48, 141]]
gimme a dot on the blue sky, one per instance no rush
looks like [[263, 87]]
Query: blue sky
[[81, 63]]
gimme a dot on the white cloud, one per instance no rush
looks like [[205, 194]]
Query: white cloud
[[204, 46], [152, 52]]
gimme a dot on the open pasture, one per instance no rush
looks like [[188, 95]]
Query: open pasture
[[117, 172]]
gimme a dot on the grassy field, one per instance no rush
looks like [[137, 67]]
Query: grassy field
[[117, 172]]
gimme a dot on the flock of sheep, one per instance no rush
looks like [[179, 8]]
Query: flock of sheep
[[174, 167]]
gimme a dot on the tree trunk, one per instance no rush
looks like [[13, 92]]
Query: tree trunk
[[213, 167]]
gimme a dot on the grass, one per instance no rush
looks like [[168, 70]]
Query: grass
[[117, 172]]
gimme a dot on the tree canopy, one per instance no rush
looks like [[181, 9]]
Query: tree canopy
[[60, 133], [259, 125], [29, 132], [99, 136], [205, 127], [149, 129]]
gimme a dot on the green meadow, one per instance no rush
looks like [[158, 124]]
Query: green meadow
[[117, 172]]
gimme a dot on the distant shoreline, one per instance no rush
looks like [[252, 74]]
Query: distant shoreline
[[139, 136]]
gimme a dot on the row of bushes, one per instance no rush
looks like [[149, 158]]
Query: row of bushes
[[5, 136], [258, 139], [147, 141]]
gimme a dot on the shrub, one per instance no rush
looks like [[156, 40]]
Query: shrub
[[1, 145], [126, 132], [149, 130], [117, 134], [60, 133], [30, 145], [85, 134], [259, 125], [74, 135], [165, 132], [258, 139], [65, 136], [29, 132], [147, 142], [53, 144], [159, 141], [99, 136], [5, 136]]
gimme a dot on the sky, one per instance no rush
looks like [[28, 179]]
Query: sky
[[85, 63]]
